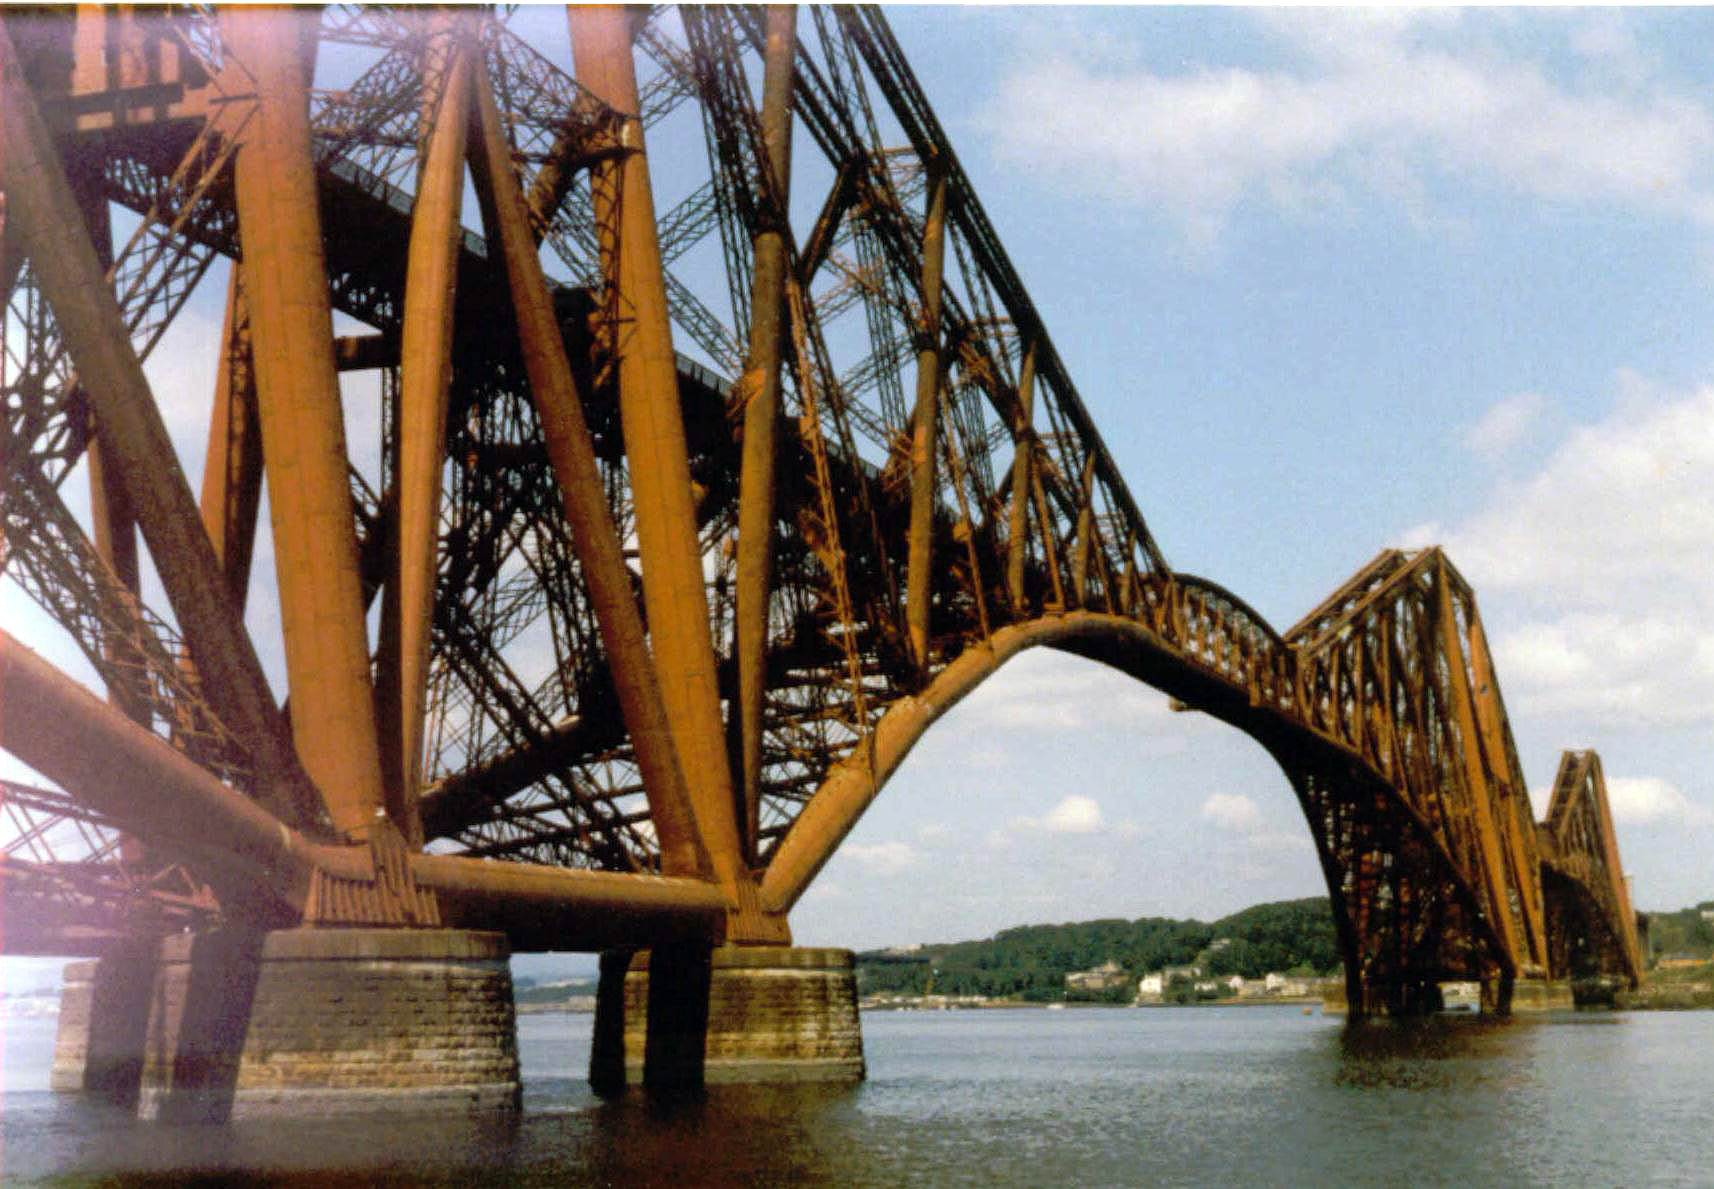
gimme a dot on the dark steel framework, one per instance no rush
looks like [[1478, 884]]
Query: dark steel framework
[[633, 616]]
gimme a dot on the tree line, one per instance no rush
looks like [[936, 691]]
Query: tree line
[[1031, 961]]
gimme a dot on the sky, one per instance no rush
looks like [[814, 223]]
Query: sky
[[1329, 283]]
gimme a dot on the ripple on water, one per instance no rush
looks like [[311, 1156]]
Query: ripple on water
[[1094, 1097]]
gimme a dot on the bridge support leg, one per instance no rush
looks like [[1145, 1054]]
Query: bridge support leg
[[1506, 997], [238, 1023], [104, 1017], [1497, 995], [740, 1013]]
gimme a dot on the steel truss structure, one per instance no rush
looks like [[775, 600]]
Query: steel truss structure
[[636, 519]]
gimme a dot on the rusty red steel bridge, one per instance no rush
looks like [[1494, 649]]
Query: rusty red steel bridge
[[655, 445]]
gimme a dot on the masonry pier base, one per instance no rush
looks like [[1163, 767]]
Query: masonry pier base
[[732, 1014], [302, 1021]]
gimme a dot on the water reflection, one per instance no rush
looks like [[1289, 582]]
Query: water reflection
[[1431, 1051], [1105, 1097]]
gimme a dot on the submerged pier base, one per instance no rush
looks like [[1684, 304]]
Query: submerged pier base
[[301, 1021], [1498, 997], [688, 1015]]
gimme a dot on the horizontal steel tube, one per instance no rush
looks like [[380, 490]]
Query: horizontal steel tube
[[117, 768]]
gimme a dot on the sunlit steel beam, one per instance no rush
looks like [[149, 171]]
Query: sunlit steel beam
[[303, 433], [425, 376], [659, 465], [553, 388], [759, 392]]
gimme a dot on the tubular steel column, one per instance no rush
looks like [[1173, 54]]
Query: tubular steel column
[[659, 467], [425, 374], [115, 535], [760, 396], [1021, 462], [315, 539], [919, 578], [232, 468], [553, 388]]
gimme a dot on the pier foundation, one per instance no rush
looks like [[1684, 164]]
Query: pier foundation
[[1526, 996], [301, 1021], [740, 1013]]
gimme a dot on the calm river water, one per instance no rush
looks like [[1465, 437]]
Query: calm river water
[[1252, 1096]]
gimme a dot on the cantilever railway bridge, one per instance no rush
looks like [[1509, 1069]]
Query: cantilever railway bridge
[[655, 445]]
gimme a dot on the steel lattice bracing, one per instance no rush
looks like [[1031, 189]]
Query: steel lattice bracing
[[1591, 924], [681, 479]]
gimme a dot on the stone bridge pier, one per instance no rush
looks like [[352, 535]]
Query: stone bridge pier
[[688, 1014], [238, 1023]]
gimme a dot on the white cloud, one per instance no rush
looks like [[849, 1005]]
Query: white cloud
[[1076, 814], [1601, 561], [1504, 425], [1232, 811], [1377, 106], [884, 858], [1054, 692], [1648, 800], [825, 889], [1607, 42]]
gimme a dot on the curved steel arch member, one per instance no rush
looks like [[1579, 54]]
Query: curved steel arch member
[[1357, 820]]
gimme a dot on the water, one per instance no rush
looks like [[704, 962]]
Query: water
[[1258, 1096]]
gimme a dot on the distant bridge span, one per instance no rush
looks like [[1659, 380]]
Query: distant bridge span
[[629, 525]]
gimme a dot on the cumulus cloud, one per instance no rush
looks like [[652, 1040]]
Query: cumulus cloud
[[1076, 814], [1054, 692], [1375, 106], [1648, 800], [1601, 560], [1504, 425], [1232, 811], [883, 858]]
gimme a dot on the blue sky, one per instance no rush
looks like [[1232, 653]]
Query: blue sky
[[1329, 282], [1332, 282]]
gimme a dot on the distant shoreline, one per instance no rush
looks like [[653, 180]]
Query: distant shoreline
[[1071, 1005]]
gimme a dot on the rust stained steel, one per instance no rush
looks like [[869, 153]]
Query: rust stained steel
[[1581, 848], [1488, 826], [425, 377], [1023, 480], [106, 894], [759, 393], [303, 434], [566, 434], [925, 429], [63, 259], [253, 859], [1382, 707], [637, 324], [110, 514], [232, 466]]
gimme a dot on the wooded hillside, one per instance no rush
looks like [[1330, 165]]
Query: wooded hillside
[[1031, 961]]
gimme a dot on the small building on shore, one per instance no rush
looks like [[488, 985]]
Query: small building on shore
[[1109, 976]]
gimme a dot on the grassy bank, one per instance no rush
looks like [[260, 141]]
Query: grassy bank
[[1675, 988]]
